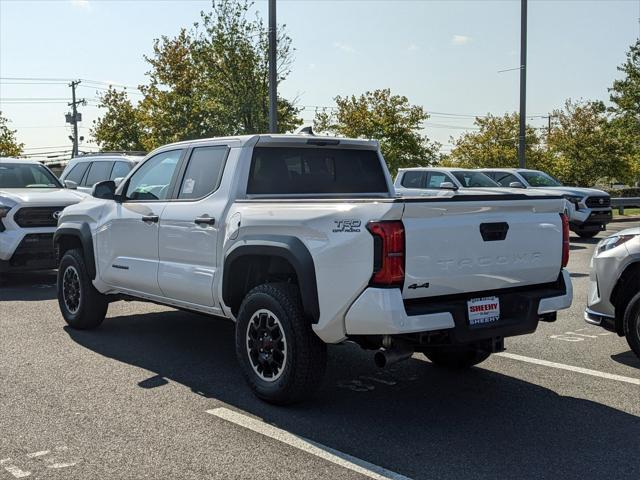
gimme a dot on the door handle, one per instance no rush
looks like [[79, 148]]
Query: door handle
[[206, 220], [150, 218]]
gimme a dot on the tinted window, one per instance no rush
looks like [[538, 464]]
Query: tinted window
[[436, 178], [504, 178], [151, 181], [120, 170], [77, 172], [98, 172], [474, 179], [15, 175], [203, 173], [315, 170], [540, 179], [413, 179]]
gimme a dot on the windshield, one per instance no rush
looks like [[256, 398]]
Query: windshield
[[540, 179], [474, 179], [26, 175]]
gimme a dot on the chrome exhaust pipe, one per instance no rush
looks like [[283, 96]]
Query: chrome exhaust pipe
[[385, 357]]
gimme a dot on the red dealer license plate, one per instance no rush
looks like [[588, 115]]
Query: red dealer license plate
[[483, 311]]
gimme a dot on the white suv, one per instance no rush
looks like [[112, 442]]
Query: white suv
[[85, 171], [31, 200]]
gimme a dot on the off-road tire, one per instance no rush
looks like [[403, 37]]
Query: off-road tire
[[306, 354], [631, 323], [88, 306], [458, 359]]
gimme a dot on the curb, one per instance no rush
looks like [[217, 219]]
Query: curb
[[625, 219]]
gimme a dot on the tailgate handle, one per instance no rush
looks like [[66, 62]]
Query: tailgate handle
[[492, 232]]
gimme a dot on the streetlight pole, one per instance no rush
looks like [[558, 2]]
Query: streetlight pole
[[522, 140], [273, 69]]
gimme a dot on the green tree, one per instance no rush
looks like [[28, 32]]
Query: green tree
[[494, 143], [210, 80], [9, 145], [625, 99], [582, 147], [391, 119], [120, 128]]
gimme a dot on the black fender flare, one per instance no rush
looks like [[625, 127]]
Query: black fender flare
[[290, 249], [82, 232]]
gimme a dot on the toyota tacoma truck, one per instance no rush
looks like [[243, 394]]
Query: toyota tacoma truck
[[302, 241], [31, 200]]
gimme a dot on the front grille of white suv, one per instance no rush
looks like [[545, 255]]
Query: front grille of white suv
[[32, 217], [598, 202]]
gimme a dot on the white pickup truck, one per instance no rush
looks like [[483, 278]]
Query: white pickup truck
[[302, 241]]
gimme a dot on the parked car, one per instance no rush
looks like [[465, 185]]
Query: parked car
[[31, 200], [85, 171], [588, 209], [614, 293], [437, 180], [303, 242]]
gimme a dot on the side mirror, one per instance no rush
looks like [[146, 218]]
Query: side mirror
[[516, 185], [448, 186], [105, 190], [70, 184], [118, 181]]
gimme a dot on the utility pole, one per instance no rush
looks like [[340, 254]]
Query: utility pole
[[522, 143], [273, 69], [74, 117]]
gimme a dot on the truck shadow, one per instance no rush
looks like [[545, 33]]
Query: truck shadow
[[32, 286], [413, 419], [627, 358]]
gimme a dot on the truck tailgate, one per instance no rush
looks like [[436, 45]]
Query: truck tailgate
[[465, 245]]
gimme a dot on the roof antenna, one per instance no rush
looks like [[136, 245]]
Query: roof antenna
[[308, 130]]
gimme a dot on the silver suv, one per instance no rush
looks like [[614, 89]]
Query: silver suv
[[84, 172], [614, 295]]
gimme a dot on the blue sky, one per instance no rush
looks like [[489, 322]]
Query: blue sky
[[443, 55]]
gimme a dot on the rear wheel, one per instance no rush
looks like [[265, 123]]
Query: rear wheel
[[459, 358], [82, 306], [281, 357], [632, 324]]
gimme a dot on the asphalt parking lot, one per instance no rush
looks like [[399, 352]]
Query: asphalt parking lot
[[156, 393]]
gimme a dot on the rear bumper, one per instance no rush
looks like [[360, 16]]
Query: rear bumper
[[383, 312], [35, 251]]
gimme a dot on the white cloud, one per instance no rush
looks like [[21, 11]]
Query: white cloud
[[460, 40], [80, 3], [413, 48], [344, 47]]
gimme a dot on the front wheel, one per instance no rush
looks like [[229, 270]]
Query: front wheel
[[632, 324], [281, 357], [82, 306], [459, 358]]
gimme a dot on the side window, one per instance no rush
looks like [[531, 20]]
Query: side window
[[505, 179], [153, 179], [436, 178], [203, 173], [98, 172], [77, 172], [413, 179], [120, 170]]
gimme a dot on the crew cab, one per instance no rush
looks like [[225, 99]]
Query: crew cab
[[588, 209], [83, 172], [436, 180], [302, 241], [31, 200]]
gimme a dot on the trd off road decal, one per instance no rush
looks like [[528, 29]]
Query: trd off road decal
[[347, 226]]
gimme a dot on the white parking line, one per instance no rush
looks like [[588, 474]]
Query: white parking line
[[571, 368], [326, 453]]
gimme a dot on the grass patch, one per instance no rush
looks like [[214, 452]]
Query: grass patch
[[628, 212]]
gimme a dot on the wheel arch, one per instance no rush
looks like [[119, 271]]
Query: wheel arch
[[261, 259], [74, 235], [623, 292]]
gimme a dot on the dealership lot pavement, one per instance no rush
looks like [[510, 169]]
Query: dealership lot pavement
[[156, 393]]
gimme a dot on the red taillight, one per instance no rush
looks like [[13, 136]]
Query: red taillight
[[388, 247], [565, 240]]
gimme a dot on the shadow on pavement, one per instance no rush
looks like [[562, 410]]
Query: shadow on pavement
[[578, 275], [414, 419], [627, 358], [32, 286]]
